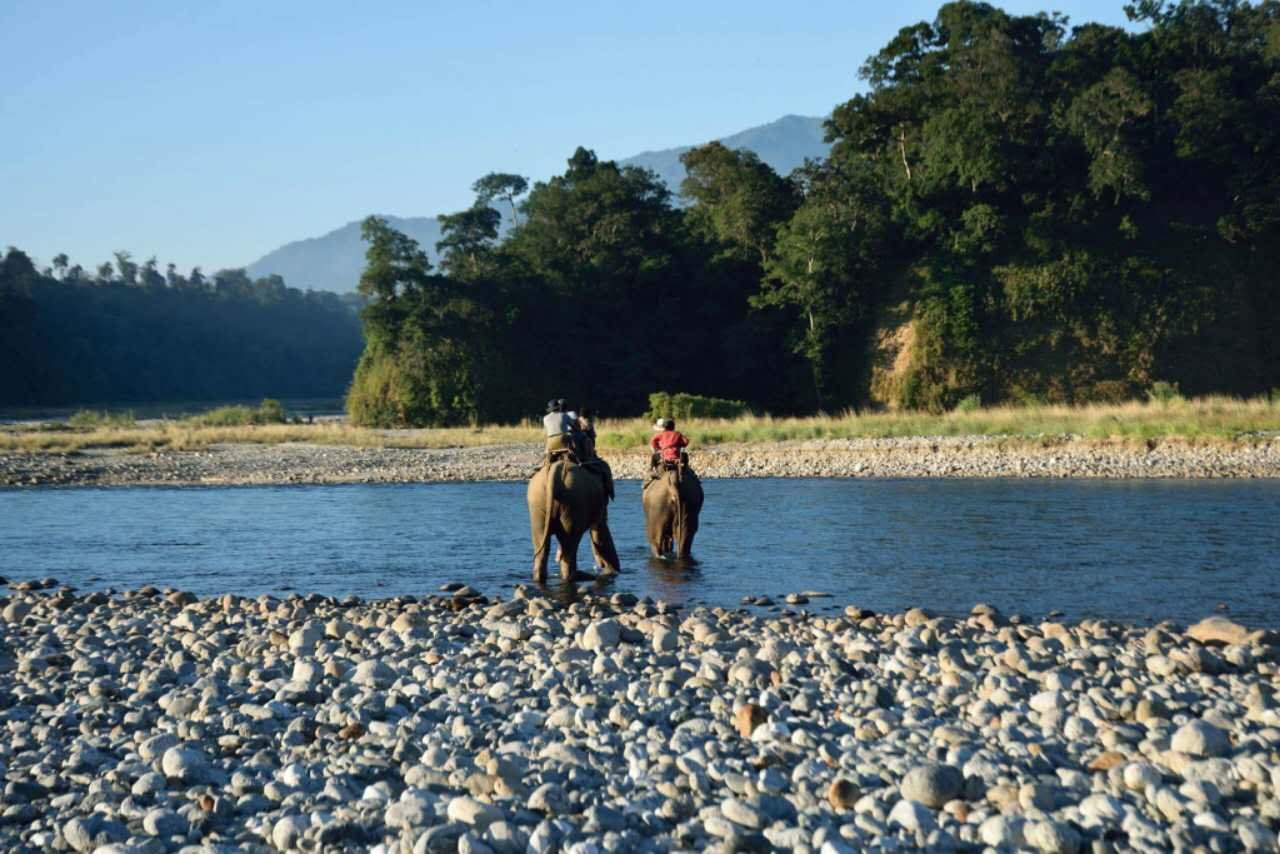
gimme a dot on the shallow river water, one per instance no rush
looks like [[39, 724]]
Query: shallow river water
[[1131, 550]]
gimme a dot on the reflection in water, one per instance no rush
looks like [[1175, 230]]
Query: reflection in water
[[1124, 549], [673, 580]]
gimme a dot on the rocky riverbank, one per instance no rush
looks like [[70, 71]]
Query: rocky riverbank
[[912, 457], [149, 721]]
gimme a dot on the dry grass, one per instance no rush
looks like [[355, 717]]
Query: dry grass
[[1200, 419], [1209, 418]]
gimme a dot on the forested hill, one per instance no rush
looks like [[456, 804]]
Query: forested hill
[[333, 261], [130, 333], [1014, 209]]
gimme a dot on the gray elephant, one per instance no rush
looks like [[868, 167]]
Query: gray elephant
[[569, 500], [672, 503]]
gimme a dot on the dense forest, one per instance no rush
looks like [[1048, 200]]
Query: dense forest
[[1014, 210], [129, 332]]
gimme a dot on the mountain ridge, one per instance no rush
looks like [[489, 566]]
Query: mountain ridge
[[333, 261]]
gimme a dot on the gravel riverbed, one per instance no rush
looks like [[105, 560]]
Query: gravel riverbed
[[974, 456], [154, 721]]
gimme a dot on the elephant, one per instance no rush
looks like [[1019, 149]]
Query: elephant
[[672, 504], [569, 500]]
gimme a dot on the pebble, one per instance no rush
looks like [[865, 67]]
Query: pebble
[[601, 634], [1201, 738], [1052, 837], [932, 785], [948, 456], [149, 721]]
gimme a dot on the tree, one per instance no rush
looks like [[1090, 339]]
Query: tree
[[128, 269], [60, 262], [501, 185], [149, 276], [423, 339], [738, 201], [467, 238], [826, 260]]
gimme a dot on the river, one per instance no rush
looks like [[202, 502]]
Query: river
[[1131, 550]]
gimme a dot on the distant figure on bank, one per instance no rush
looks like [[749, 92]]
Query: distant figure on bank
[[667, 444], [559, 428]]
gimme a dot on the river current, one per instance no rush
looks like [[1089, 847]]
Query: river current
[[1131, 550]]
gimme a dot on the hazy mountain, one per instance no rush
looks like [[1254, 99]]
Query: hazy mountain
[[333, 261], [783, 144]]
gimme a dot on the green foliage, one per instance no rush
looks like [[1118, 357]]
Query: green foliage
[[739, 202], [1084, 210], [969, 403], [423, 335], [1164, 393], [66, 337], [501, 185], [269, 411], [89, 419], [681, 405]]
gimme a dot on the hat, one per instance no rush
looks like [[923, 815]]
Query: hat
[[660, 425], [553, 405]]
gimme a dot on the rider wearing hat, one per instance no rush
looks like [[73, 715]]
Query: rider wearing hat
[[558, 426], [667, 443]]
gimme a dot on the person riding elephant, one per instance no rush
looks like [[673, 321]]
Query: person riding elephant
[[559, 428], [667, 445], [672, 499], [568, 500]]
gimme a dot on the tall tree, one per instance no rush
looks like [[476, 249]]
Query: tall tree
[[738, 200], [501, 185], [467, 238]]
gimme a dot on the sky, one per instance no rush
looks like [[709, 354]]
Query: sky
[[211, 133]]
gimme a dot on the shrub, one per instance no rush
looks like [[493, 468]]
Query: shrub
[[1163, 393], [88, 419], [414, 387], [970, 403], [666, 405], [270, 411]]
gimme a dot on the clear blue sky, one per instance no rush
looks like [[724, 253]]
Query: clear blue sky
[[212, 132]]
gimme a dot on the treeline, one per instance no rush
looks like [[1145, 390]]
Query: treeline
[[128, 332], [1015, 210]]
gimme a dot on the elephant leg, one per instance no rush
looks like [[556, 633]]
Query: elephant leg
[[602, 546], [684, 546], [653, 529], [540, 565], [541, 551], [569, 555]]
